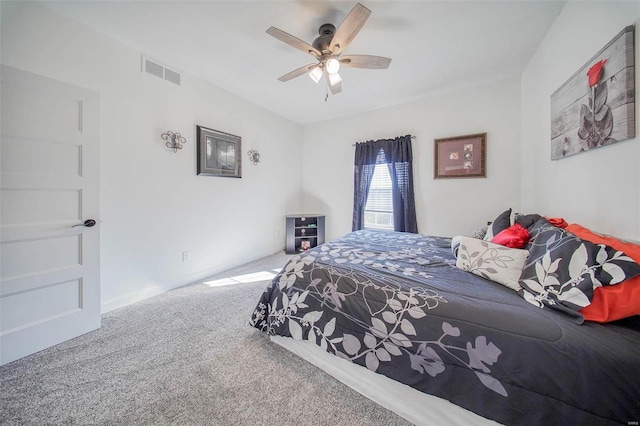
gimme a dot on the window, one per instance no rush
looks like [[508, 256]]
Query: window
[[386, 199], [378, 213]]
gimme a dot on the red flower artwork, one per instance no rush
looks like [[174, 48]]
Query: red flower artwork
[[595, 72], [596, 119]]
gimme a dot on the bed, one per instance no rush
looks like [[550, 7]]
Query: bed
[[396, 304]]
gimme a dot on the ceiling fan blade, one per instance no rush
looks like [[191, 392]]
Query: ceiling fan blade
[[336, 87], [365, 61], [293, 41], [349, 28], [297, 73]]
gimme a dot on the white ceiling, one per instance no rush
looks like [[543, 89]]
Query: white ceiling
[[434, 46]]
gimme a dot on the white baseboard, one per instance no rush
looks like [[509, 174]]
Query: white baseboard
[[138, 296]]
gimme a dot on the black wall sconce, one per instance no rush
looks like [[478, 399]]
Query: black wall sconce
[[174, 140]]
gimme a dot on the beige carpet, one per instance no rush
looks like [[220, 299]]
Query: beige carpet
[[187, 357]]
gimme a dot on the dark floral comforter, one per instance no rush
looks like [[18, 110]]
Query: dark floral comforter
[[396, 304]]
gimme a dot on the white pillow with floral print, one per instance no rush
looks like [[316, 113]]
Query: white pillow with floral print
[[491, 261]]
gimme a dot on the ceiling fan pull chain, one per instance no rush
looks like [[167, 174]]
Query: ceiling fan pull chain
[[326, 93]]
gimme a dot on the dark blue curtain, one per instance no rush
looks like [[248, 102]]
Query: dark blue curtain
[[398, 156], [365, 165]]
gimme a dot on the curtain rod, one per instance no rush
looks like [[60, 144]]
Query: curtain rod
[[412, 137]]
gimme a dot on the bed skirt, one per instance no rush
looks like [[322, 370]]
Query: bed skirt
[[417, 407]]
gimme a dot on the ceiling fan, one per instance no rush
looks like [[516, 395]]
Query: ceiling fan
[[328, 48]]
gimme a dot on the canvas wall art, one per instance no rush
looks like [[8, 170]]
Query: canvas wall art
[[596, 106]]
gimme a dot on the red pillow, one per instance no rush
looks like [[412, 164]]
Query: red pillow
[[515, 236], [558, 222], [618, 301]]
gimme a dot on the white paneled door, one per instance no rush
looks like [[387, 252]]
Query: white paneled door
[[49, 193]]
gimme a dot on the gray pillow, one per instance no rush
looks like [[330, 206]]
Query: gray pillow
[[502, 222], [479, 233], [563, 271]]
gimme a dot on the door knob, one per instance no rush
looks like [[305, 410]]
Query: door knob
[[88, 223]]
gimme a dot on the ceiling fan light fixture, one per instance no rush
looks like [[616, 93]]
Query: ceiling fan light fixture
[[327, 50], [334, 79], [332, 66], [316, 74]]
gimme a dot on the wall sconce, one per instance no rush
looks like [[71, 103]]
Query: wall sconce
[[174, 140], [254, 156]]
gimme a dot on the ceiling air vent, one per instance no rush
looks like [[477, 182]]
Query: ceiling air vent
[[154, 68]]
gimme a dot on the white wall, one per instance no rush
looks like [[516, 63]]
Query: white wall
[[445, 206], [600, 188], [153, 205]]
